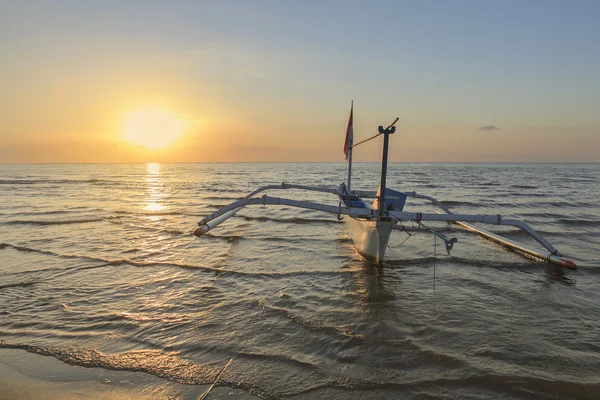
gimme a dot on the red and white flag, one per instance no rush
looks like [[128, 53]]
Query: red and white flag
[[349, 134]]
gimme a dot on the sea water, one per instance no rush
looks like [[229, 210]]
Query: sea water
[[99, 269]]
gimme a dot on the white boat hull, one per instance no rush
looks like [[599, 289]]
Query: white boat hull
[[370, 236]]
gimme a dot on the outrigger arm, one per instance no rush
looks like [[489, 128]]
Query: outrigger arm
[[230, 210], [226, 212], [512, 222], [486, 219], [554, 257]]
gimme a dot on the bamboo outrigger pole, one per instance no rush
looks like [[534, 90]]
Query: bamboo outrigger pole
[[553, 258]]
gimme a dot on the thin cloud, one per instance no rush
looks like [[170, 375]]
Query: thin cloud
[[488, 128]]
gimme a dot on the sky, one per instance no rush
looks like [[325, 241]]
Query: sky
[[227, 81]]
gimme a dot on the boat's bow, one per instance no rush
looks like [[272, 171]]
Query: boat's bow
[[370, 236]]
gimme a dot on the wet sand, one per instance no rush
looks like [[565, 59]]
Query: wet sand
[[29, 376]]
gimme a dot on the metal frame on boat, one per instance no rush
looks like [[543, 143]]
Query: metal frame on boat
[[370, 225]]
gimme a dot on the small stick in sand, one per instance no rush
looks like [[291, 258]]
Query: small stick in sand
[[216, 380]]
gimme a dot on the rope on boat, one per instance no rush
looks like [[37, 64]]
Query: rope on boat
[[216, 380], [374, 136], [366, 140], [403, 228], [408, 237]]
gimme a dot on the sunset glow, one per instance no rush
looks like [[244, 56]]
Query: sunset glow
[[152, 128], [485, 82]]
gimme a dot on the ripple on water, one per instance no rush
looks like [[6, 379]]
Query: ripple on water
[[99, 269]]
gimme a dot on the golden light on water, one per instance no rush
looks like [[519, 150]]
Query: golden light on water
[[153, 128], [154, 188], [153, 169], [154, 207]]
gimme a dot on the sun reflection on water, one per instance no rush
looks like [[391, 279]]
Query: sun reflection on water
[[154, 189], [153, 169]]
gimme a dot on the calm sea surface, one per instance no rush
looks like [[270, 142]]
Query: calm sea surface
[[98, 268]]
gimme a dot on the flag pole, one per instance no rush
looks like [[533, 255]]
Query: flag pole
[[350, 151]]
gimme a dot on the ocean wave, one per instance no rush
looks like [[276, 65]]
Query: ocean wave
[[489, 184], [265, 357], [108, 262], [151, 213], [215, 206], [163, 318], [51, 212], [222, 189], [311, 325], [275, 239], [527, 263], [523, 187], [391, 263], [542, 215], [168, 365], [125, 261], [426, 185], [572, 179], [175, 232], [227, 238], [106, 182], [540, 387], [222, 198], [59, 222], [155, 362], [544, 205], [579, 222], [526, 194], [18, 284], [145, 228], [47, 252], [459, 203]]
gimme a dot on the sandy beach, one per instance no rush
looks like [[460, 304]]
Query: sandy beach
[[27, 376]]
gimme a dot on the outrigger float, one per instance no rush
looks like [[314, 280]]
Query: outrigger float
[[370, 226]]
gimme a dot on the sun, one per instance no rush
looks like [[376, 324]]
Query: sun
[[152, 127]]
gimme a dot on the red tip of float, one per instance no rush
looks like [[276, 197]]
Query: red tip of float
[[199, 231], [568, 264]]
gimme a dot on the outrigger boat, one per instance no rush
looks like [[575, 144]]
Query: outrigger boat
[[370, 226]]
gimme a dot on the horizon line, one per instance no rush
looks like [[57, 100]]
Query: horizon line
[[300, 162]]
